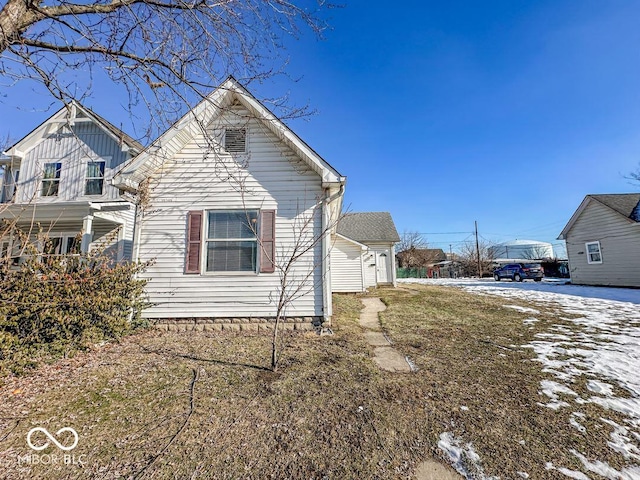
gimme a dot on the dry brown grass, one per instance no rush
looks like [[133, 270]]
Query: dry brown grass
[[327, 413]]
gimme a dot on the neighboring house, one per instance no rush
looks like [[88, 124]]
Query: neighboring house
[[603, 241], [363, 253], [425, 262], [57, 179], [231, 195]]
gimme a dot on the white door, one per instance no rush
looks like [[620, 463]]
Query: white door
[[383, 275]]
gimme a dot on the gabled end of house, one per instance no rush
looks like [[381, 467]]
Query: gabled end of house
[[603, 240]]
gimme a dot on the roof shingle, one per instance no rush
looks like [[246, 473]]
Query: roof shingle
[[626, 204], [368, 227]]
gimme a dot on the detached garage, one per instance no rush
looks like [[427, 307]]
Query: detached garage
[[363, 252]]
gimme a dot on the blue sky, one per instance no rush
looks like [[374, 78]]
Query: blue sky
[[442, 113]]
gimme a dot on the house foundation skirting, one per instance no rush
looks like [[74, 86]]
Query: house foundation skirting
[[241, 324]]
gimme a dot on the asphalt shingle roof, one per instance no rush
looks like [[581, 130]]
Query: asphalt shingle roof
[[627, 204], [368, 227]]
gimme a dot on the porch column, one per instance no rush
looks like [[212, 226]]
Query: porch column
[[87, 233]]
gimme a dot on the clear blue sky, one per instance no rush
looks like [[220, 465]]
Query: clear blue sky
[[442, 113]]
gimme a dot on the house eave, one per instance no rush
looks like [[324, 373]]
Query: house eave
[[361, 245]]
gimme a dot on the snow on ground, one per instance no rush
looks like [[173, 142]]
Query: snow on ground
[[463, 458], [597, 340]]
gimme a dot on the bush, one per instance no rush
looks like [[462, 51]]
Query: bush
[[52, 305]]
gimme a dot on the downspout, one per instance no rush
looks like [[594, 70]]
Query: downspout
[[135, 247], [327, 301]]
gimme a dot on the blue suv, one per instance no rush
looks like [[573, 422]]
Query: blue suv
[[519, 272]]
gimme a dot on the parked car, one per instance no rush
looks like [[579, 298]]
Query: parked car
[[519, 272]]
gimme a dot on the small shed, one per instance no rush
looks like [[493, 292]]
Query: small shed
[[363, 252]]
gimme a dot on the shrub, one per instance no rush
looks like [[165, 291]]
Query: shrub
[[52, 305]]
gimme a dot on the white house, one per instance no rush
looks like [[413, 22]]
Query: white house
[[231, 196], [363, 253], [57, 178], [603, 241]]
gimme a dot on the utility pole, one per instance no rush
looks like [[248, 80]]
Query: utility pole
[[450, 262], [478, 252]]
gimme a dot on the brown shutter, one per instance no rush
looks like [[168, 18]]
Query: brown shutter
[[267, 241], [194, 234]]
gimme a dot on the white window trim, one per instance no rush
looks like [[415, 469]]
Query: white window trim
[[105, 183], [586, 246], [42, 179], [65, 237], [206, 240], [87, 177]]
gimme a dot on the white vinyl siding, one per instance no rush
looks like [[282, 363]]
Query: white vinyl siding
[[619, 242], [346, 266], [194, 179]]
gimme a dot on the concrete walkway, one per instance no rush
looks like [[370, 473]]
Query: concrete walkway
[[391, 360], [387, 357]]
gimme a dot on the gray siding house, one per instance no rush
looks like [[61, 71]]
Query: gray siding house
[[603, 241], [363, 252], [58, 178]]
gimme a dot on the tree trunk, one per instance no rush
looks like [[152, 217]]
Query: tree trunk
[[12, 17]]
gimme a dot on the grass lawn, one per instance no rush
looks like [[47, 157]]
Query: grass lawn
[[204, 405]]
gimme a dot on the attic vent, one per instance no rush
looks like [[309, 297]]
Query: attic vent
[[235, 140]]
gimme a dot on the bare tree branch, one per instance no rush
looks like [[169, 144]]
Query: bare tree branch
[[165, 54]]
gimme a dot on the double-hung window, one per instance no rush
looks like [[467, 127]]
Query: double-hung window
[[231, 241], [95, 177], [594, 254], [51, 179]]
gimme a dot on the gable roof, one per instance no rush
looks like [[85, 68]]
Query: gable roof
[[191, 124], [71, 114], [368, 227], [627, 205]]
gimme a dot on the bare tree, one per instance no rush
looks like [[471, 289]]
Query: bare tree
[[634, 176], [167, 54], [410, 240], [536, 252], [469, 260], [297, 265], [411, 249]]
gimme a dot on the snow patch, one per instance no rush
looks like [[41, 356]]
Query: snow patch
[[463, 458], [595, 342], [522, 309], [605, 470], [601, 388]]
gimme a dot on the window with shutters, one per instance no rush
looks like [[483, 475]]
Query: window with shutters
[[235, 140], [231, 241]]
